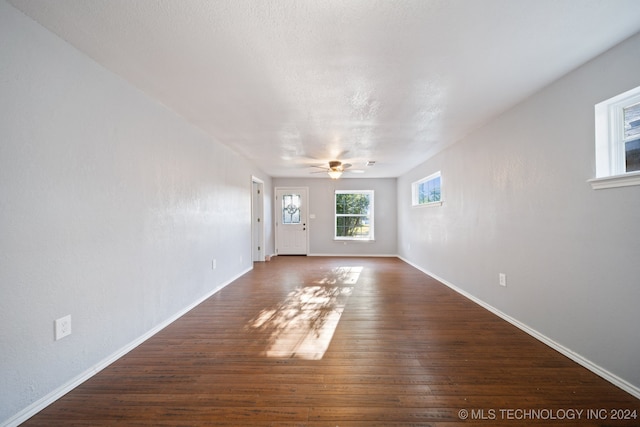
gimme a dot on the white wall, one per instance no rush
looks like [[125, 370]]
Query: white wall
[[517, 202], [111, 210], [321, 203]]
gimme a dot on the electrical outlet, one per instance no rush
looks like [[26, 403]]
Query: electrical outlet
[[214, 264], [63, 327], [502, 279]]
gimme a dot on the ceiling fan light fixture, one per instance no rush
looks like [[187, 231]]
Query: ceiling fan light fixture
[[335, 174]]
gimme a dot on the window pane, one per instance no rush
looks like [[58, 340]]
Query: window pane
[[352, 226], [632, 155], [352, 204], [428, 191], [342, 227], [434, 190], [632, 138], [341, 203], [632, 122], [361, 228], [423, 192], [291, 209]]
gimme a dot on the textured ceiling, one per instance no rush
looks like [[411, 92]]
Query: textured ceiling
[[294, 83]]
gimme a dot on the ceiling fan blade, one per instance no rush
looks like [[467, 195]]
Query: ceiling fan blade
[[346, 165]]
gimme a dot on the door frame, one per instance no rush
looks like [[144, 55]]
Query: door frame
[[305, 214], [257, 220]]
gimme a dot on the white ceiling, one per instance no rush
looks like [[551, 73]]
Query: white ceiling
[[293, 83]]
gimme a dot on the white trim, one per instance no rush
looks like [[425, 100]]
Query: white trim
[[612, 378], [257, 230], [56, 394], [428, 205], [357, 255], [626, 180]]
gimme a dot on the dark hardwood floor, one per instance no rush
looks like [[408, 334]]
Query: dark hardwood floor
[[341, 342]]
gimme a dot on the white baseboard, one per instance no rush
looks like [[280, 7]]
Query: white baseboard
[[357, 255], [612, 378], [47, 400]]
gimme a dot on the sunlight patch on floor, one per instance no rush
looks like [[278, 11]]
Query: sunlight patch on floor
[[303, 324]]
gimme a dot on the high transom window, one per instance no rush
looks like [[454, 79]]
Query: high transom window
[[617, 122], [427, 191], [354, 215]]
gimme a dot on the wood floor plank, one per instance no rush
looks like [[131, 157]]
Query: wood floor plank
[[347, 342]]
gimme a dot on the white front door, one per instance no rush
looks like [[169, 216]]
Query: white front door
[[291, 221]]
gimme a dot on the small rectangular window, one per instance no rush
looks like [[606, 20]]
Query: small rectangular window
[[354, 215], [427, 191], [617, 122]]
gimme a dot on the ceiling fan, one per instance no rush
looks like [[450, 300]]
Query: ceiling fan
[[335, 169]]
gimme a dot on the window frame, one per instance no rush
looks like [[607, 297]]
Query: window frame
[[609, 142], [415, 190], [371, 236]]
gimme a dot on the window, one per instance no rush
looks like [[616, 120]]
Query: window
[[354, 215], [290, 209], [617, 123], [427, 191]]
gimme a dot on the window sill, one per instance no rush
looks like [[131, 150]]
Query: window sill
[[626, 180], [428, 205]]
